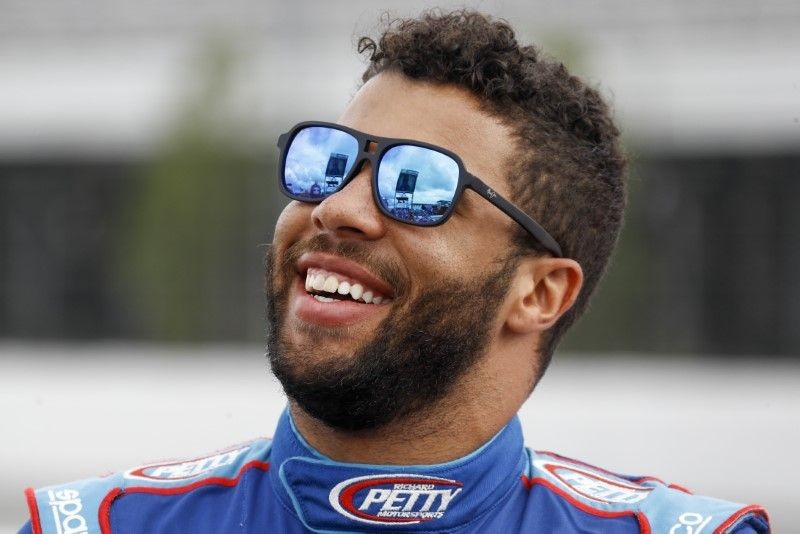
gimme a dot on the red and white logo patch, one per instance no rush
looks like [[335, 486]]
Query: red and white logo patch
[[594, 486], [186, 469], [395, 498]]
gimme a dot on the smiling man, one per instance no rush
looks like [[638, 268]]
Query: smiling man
[[443, 235]]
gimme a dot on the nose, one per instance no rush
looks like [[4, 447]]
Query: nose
[[351, 211]]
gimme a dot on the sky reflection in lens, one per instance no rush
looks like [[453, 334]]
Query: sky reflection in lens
[[437, 180], [308, 159]]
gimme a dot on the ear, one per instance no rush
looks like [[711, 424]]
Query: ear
[[542, 291]]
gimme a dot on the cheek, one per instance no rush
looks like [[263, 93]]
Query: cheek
[[292, 222], [464, 252], [448, 256]]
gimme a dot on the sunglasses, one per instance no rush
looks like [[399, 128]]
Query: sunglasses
[[412, 182]]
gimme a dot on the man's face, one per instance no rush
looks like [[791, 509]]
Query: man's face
[[355, 365]]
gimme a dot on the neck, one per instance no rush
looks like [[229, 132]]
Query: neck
[[454, 427]]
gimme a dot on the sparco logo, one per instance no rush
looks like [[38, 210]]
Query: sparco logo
[[392, 499], [67, 507], [188, 469]]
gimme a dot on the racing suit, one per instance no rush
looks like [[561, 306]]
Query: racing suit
[[284, 485]]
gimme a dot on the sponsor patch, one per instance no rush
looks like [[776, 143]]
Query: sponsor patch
[[690, 523], [186, 469], [395, 498], [595, 486], [66, 506]]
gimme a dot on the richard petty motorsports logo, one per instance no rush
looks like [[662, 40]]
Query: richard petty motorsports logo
[[595, 486], [394, 498], [187, 469]]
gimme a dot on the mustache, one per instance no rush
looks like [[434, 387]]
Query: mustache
[[355, 251]]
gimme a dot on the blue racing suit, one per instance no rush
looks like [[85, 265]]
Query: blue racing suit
[[285, 486]]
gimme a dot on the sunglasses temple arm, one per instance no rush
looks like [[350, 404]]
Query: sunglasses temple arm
[[522, 218]]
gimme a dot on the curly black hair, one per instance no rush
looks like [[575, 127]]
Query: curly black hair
[[568, 171]]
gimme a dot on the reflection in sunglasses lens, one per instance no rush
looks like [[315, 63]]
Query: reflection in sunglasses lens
[[317, 161], [417, 184]]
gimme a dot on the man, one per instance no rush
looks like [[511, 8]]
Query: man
[[444, 234]]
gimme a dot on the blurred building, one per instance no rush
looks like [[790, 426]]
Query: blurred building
[[137, 153]]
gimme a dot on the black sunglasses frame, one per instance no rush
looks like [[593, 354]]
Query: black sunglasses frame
[[465, 179]]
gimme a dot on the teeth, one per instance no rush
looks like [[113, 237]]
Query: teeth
[[331, 284], [356, 290], [319, 282]]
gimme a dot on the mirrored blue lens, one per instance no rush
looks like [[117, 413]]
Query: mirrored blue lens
[[317, 161], [417, 184]]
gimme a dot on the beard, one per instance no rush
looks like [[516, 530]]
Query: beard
[[415, 358]]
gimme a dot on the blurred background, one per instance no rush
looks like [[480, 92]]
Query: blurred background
[[138, 191]]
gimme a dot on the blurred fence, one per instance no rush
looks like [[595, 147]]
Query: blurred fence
[[172, 249]]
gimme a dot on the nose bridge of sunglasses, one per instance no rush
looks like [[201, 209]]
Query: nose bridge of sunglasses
[[365, 160], [371, 146]]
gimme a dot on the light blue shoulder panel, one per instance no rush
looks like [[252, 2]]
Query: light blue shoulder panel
[[82, 507], [665, 508]]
